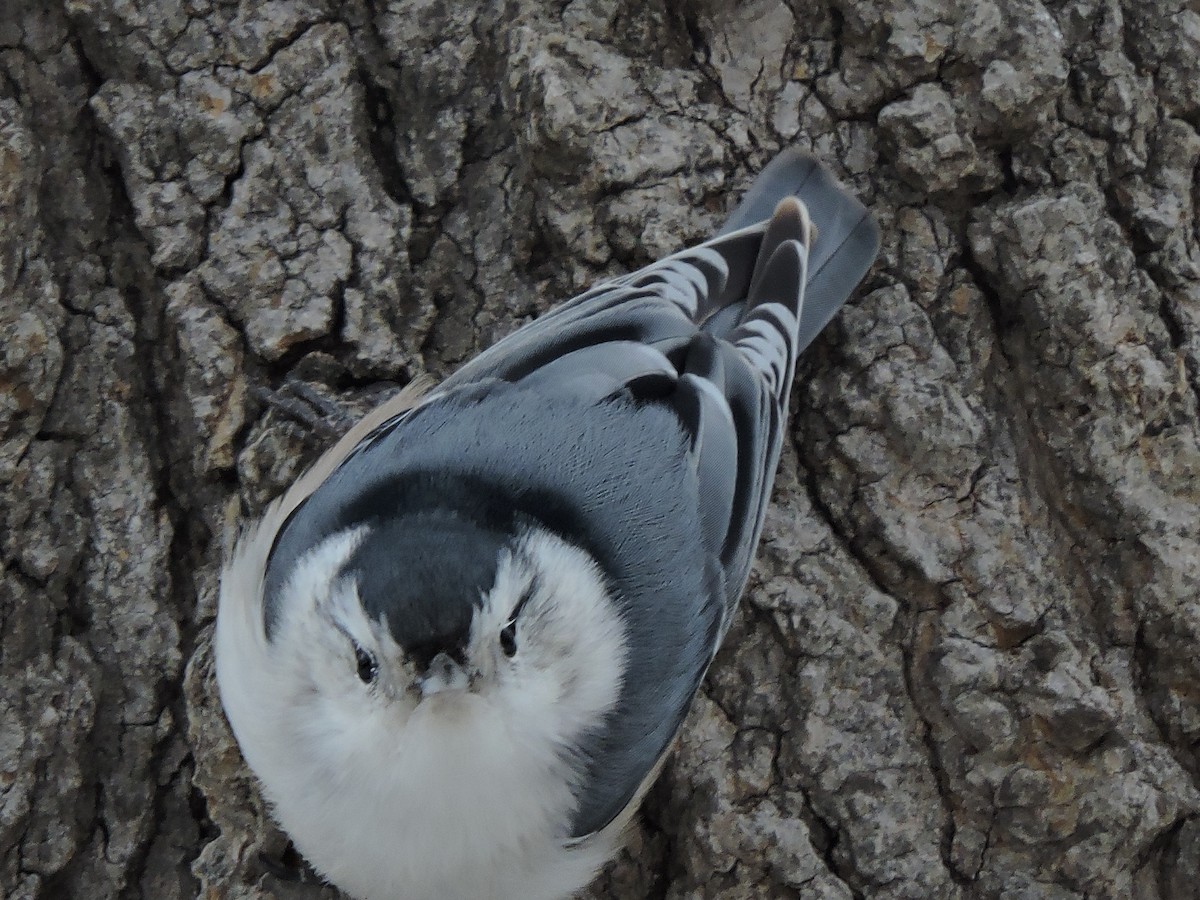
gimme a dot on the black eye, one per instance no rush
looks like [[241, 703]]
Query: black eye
[[508, 638], [367, 667]]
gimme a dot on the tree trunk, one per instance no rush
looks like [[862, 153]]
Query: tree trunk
[[968, 661]]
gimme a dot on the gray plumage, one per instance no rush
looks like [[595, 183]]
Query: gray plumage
[[641, 421]]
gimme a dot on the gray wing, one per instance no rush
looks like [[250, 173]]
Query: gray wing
[[847, 236], [714, 331], [641, 336]]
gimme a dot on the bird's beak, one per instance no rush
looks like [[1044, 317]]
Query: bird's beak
[[445, 673]]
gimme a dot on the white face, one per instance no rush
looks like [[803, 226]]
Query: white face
[[546, 633], [361, 753]]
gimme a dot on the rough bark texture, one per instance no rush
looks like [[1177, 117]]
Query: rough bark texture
[[968, 664]]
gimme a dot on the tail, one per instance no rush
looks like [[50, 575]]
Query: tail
[[845, 242]]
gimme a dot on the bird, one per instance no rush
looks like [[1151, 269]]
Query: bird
[[456, 652]]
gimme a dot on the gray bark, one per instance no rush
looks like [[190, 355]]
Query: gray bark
[[968, 662]]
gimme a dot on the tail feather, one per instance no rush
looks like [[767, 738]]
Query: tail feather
[[845, 243], [777, 298]]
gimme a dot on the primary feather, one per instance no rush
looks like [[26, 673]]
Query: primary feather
[[641, 422]]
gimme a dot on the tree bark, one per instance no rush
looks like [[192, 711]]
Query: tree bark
[[967, 663]]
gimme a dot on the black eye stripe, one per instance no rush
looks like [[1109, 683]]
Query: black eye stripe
[[508, 634], [520, 606], [530, 590]]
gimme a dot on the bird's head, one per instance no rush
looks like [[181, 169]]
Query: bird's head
[[433, 612], [427, 680]]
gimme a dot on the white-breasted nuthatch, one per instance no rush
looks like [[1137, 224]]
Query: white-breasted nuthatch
[[456, 651]]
